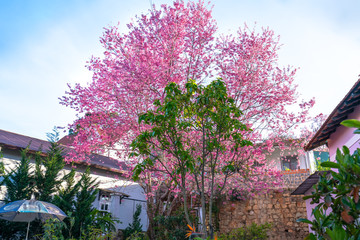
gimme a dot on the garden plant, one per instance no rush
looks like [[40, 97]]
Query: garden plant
[[337, 213]]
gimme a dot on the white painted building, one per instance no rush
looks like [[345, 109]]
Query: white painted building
[[116, 194]]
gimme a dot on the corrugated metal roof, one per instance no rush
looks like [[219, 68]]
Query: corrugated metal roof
[[21, 141], [308, 183], [340, 113], [18, 141]]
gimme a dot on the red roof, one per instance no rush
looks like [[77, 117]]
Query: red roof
[[67, 140], [18, 141]]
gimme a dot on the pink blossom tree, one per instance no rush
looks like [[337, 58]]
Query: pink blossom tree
[[175, 44]]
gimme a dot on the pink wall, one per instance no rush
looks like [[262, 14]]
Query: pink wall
[[310, 207], [344, 136]]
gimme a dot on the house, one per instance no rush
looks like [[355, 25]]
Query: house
[[294, 164], [116, 194], [334, 135]]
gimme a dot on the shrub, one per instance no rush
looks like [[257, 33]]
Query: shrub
[[338, 190], [251, 232], [138, 236], [53, 230], [135, 227], [171, 227]]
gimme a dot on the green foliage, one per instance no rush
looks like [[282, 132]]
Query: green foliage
[[83, 204], [65, 198], [205, 113], [2, 171], [19, 184], [251, 232], [96, 234], [172, 227], [338, 191], [2, 167], [47, 170], [19, 181], [46, 175], [352, 123], [199, 107], [53, 230], [318, 166], [135, 226], [103, 221], [137, 236]]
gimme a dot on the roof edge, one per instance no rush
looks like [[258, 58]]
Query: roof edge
[[312, 143]]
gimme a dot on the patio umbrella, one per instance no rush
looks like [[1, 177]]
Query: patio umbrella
[[29, 210]]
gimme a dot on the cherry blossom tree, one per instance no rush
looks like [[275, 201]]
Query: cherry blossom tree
[[173, 44]]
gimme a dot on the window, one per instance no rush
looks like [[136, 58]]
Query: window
[[104, 207], [290, 163], [257, 164], [104, 202]]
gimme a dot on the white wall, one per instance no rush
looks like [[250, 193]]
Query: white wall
[[108, 180], [125, 209], [274, 159]]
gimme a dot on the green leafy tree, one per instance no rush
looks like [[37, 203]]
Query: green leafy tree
[[135, 226], [2, 166], [19, 185], [195, 133], [338, 190], [19, 181], [83, 205], [47, 175], [65, 197], [47, 169], [65, 200], [2, 170]]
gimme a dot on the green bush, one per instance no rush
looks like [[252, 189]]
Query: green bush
[[138, 236], [135, 227], [53, 230], [338, 191], [172, 227], [251, 232]]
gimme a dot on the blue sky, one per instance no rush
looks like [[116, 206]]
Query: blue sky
[[45, 44]]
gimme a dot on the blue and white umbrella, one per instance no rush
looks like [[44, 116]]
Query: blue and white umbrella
[[29, 210]]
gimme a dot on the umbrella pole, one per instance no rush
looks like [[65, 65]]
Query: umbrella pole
[[27, 232]]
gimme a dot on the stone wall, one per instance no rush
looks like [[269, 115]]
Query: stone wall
[[276, 207], [293, 178]]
